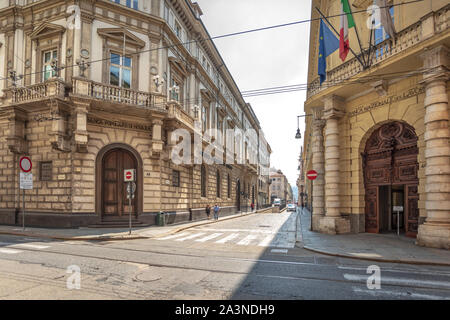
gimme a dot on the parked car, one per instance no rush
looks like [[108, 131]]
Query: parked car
[[291, 207], [277, 202]]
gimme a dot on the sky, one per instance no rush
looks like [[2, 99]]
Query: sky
[[269, 58]]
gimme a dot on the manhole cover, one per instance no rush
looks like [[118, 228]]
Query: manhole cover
[[263, 226]]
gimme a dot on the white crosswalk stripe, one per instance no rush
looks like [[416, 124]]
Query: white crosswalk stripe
[[228, 238], [9, 251], [173, 236], [277, 240], [32, 246], [267, 240], [210, 237], [192, 236], [246, 241]]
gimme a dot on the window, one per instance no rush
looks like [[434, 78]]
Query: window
[[218, 185], [120, 71], [204, 118], [175, 89], [48, 57], [178, 30], [45, 171], [176, 178], [203, 181]]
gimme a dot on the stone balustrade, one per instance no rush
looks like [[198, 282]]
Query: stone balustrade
[[405, 39], [53, 88], [105, 92]]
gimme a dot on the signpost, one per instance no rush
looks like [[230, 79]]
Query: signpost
[[311, 175], [129, 176], [26, 181], [398, 209]]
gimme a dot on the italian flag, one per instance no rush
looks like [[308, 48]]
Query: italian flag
[[346, 23]]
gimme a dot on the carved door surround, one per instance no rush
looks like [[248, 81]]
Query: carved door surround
[[390, 158]]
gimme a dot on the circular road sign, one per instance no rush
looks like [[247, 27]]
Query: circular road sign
[[311, 175], [25, 164], [128, 174]]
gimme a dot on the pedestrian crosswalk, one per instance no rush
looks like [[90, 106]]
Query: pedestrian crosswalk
[[235, 237], [9, 248]]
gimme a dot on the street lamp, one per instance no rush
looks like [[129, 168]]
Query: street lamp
[[298, 135]]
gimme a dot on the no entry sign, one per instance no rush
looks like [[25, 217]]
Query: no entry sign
[[129, 175], [25, 164], [311, 174]]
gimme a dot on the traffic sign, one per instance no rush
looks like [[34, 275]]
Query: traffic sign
[[311, 174], [25, 164], [26, 181], [129, 175]]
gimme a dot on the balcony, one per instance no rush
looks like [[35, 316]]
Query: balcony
[[107, 93], [407, 38], [52, 88], [177, 113]]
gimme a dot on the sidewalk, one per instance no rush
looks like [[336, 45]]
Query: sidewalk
[[368, 246], [109, 234]]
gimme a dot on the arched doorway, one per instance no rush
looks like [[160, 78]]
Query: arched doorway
[[112, 202], [390, 178], [238, 195]]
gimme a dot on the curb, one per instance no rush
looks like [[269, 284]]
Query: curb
[[93, 238], [412, 262]]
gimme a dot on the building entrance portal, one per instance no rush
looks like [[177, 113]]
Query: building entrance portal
[[390, 178], [114, 191]]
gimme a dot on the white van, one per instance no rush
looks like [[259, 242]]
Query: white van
[[276, 202]]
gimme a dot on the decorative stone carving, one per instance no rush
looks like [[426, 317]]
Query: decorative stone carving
[[60, 134], [16, 137]]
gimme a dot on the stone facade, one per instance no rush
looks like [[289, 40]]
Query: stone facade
[[407, 84], [71, 116]]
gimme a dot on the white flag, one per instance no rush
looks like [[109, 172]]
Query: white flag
[[385, 17]]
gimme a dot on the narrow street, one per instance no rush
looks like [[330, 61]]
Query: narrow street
[[251, 257]]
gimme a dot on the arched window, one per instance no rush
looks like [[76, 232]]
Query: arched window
[[218, 184], [228, 186], [203, 181]]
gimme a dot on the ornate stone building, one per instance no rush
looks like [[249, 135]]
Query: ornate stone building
[[379, 135], [90, 88]]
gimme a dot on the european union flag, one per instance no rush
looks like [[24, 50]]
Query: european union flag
[[328, 43]]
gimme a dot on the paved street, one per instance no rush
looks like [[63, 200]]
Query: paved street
[[252, 257]]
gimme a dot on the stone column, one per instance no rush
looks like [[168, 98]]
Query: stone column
[[318, 164], [332, 223], [435, 232]]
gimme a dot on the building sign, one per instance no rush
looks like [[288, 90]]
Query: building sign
[[387, 100], [118, 124]]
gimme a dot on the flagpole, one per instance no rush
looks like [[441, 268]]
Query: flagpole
[[359, 41], [337, 33], [370, 46]]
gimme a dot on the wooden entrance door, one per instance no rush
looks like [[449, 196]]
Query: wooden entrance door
[[114, 190], [390, 158]]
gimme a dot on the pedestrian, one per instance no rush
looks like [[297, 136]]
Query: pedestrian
[[208, 211], [252, 206], [216, 212]]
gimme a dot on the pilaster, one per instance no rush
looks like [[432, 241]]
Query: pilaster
[[318, 164], [333, 223], [435, 232]]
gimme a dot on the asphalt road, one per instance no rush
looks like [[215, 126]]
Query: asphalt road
[[253, 257]]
